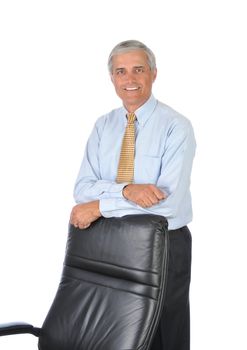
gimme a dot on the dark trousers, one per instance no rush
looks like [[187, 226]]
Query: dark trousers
[[174, 328]]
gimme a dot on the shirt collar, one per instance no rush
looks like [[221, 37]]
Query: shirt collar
[[144, 112]]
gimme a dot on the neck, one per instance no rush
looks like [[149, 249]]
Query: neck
[[132, 108]]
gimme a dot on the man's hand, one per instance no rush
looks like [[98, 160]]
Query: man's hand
[[83, 215], [145, 195]]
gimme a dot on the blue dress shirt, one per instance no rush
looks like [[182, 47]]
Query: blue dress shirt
[[164, 152]]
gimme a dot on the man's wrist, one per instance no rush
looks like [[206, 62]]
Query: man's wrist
[[97, 210]]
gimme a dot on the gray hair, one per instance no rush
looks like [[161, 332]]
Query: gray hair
[[132, 45]]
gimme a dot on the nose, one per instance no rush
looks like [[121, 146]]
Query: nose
[[129, 77]]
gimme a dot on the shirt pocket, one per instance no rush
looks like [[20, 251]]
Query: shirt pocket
[[147, 169]]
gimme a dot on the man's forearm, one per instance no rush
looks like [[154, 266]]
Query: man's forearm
[[85, 192]]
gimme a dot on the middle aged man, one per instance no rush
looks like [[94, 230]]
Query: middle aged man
[[138, 160]]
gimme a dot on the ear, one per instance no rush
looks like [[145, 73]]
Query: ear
[[154, 74], [111, 76]]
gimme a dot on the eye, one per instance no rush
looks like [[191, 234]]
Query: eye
[[120, 71], [139, 70]]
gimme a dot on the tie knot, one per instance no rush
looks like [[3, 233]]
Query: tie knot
[[131, 118]]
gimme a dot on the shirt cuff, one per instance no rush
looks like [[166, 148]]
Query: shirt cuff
[[115, 207], [115, 190], [110, 207]]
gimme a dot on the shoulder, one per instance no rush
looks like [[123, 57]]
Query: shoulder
[[178, 127], [108, 118], [172, 117]]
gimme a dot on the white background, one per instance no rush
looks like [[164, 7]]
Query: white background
[[54, 85]]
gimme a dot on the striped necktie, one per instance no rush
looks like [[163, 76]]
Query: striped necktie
[[127, 155]]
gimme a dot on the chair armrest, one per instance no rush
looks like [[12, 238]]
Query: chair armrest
[[18, 328]]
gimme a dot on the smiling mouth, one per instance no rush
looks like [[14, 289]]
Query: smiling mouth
[[135, 88]]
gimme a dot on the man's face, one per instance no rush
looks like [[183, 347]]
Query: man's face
[[132, 78]]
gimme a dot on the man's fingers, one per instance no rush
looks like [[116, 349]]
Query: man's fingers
[[152, 197], [83, 225], [153, 194], [158, 193], [145, 202]]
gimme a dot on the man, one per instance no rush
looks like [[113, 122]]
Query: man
[[150, 174]]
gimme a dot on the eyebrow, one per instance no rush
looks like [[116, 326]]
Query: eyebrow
[[135, 67]]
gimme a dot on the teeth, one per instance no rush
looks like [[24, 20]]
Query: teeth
[[131, 88]]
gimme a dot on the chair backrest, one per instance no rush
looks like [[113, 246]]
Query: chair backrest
[[112, 287]]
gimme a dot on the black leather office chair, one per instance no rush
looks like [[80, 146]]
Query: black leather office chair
[[112, 288]]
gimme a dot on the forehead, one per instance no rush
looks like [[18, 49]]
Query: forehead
[[130, 59]]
